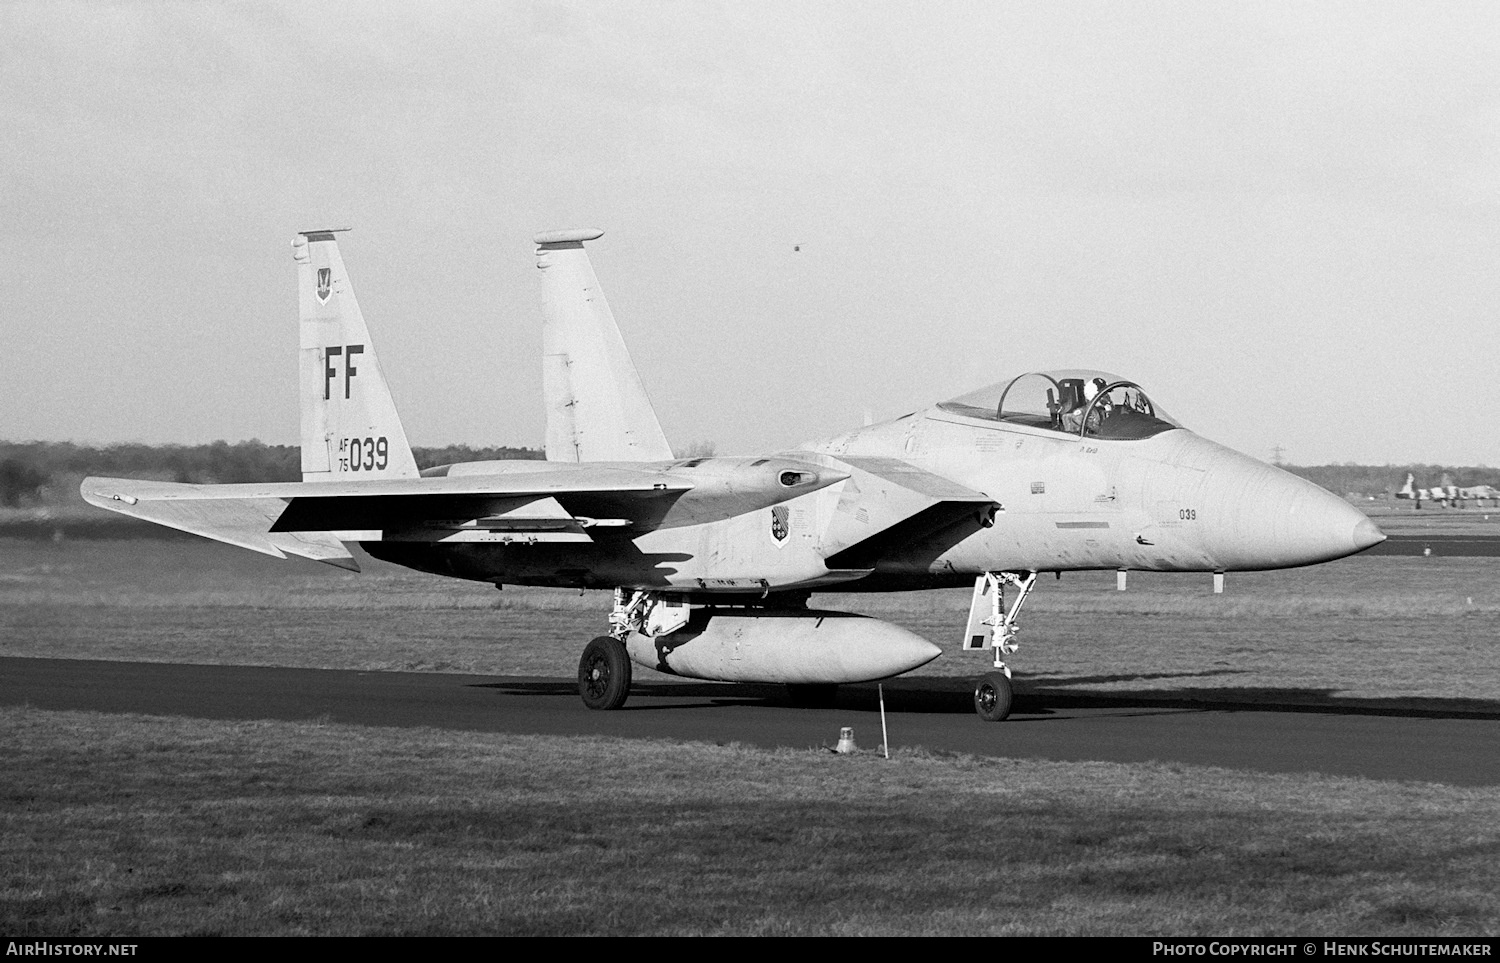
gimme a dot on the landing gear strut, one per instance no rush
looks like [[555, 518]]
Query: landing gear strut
[[604, 671], [992, 624]]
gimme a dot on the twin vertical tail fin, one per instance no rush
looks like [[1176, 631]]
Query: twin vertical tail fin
[[350, 429], [597, 408]]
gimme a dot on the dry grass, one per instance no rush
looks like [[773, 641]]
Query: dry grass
[[146, 573], [1367, 627], [125, 825], [133, 825]]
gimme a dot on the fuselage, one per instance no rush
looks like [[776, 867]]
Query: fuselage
[[1172, 502], [867, 512]]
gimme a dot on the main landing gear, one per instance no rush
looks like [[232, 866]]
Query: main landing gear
[[992, 624], [604, 670], [604, 673]]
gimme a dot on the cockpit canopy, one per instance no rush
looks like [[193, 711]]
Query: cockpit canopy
[[1091, 404]]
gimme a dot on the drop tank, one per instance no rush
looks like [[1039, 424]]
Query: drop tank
[[795, 647]]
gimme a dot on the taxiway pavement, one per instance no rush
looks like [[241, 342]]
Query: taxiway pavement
[[1459, 748]]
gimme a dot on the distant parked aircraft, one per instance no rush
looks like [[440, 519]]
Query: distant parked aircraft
[[1446, 493], [1479, 493], [1411, 493]]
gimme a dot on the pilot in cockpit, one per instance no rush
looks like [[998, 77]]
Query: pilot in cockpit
[[1072, 416]]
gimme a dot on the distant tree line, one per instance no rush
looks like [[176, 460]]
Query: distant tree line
[[27, 468], [1385, 479], [453, 454]]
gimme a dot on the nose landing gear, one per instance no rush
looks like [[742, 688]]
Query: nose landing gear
[[992, 624], [992, 696]]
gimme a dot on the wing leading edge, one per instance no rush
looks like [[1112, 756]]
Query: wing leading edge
[[889, 503], [314, 520]]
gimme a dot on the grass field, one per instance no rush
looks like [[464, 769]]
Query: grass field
[[133, 825], [126, 825], [1366, 627]]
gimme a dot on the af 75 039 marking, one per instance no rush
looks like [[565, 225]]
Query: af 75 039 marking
[[365, 454]]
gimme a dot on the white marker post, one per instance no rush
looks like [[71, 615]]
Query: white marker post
[[885, 738]]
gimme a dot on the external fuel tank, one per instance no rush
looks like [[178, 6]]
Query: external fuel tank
[[791, 646]]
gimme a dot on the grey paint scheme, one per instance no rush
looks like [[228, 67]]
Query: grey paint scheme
[[715, 557], [919, 520], [934, 498]]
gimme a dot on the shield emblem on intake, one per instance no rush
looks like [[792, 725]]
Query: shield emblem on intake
[[781, 523], [325, 283]]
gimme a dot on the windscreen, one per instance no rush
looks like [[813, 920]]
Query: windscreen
[[1087, 403]]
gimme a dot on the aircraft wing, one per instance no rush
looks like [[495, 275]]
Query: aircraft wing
[[314, 520], [912, 503]]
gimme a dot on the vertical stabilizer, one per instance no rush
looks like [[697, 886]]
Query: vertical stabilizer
[[597, 409], [350, 429]]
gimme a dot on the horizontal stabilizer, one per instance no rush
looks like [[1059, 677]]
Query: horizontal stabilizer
[[318, 546]]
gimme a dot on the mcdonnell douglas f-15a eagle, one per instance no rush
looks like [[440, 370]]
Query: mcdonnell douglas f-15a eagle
[[713, 560]]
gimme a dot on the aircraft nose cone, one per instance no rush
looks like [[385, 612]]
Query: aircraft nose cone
[[1260, 517], [1366, 535], [1318, 526], [1298, 523]]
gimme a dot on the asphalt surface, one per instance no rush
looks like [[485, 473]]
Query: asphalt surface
[[1471, 546], [1379, 741]]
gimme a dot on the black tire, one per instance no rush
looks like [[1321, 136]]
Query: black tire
[[813, 695], [604, 674], [992, 697]]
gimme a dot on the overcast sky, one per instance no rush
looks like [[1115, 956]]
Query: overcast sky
[[1282, 219]]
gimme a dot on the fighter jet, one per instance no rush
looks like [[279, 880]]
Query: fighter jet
[[1419, 495], [1479, 494], [713, 561], [1446, 493]]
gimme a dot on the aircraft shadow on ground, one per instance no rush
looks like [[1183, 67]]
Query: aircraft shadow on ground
[[1035, 696]]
